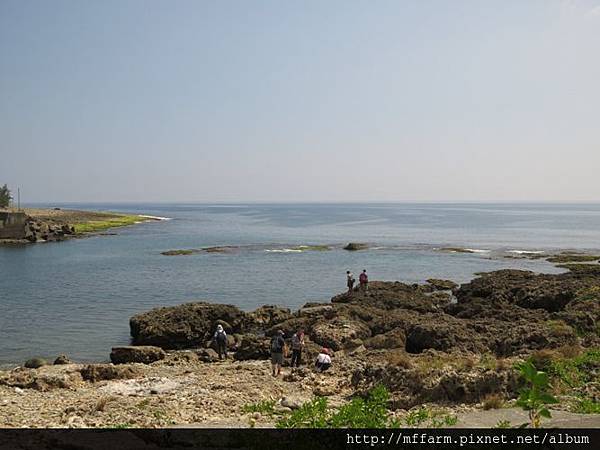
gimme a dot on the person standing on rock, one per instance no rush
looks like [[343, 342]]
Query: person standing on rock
[[363, 280], [349, 281], [297, 346], [277, 347], [323, 360], [220, 339]]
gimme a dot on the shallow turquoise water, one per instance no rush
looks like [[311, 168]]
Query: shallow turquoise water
[[76, 297]]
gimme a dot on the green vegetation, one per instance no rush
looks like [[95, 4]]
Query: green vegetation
[[121, 426], [503, 424], [535, 396], [587, 406], [569, 372], [369, 412], [265, 407], [430, 418], [577, 371], [359, 413], [93, 226], [5, 196], [559, 328]]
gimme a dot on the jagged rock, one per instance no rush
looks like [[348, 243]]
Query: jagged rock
[[267, 316], [293, 402], [352, 246], [100, 372], [183, 326], [393, 339], [62, 359], [35, 363], [40, 380], [145, 354], [253, 347], [337, 333], [207, 355], [441, 285]]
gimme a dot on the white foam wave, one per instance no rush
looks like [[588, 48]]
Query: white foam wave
[[526, 252], [284, 250], [477, 250], [145, 216]]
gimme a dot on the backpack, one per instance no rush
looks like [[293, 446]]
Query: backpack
[[276, 346], [221, 337]]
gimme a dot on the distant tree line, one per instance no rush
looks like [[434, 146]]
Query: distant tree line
[[5, 196]]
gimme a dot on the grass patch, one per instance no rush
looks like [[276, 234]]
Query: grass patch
[[503, 424], [121, 426], [570, 373], [493, 401], [428, 418], [93, 226], [265, 407], [587, 406]]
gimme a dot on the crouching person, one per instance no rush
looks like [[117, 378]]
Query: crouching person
[[323, 360]]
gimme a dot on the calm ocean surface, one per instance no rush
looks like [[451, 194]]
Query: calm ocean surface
[[76, 297]]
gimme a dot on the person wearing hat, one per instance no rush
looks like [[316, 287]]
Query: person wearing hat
[[220, 339], [277, 348], [323, 360]]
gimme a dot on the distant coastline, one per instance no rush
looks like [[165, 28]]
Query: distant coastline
[[30, 225]]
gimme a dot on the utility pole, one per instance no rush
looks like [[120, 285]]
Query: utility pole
[[18, 199]]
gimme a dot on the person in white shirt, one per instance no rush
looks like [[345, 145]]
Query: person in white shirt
[[323, 360], [349, 281]]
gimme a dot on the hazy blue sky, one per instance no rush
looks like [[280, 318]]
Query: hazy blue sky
[[300, 100]]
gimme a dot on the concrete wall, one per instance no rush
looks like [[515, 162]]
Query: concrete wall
[[12, 225]]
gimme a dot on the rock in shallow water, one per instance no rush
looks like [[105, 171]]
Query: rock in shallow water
[[145, 354], [183, 326], [35, 363]]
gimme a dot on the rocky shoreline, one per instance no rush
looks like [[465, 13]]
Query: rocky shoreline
[[437, 346], [30, 225]]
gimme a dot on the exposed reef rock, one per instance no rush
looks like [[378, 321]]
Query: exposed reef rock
[[356, 246]]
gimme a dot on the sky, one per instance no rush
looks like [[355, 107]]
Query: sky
[[303, 101]]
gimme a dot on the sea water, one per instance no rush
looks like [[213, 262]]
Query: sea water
[[76, 297]]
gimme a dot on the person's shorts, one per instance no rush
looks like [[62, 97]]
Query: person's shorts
[[277, 358]]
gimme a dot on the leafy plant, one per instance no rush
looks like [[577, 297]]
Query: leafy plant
[[578, 371], [369, 412], [587, 406], [416, 418], [503, 424], [535, 397], [313, 414], [446, 420], [264, 407], [360, 413]]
